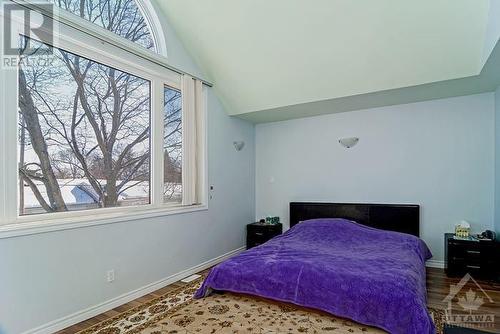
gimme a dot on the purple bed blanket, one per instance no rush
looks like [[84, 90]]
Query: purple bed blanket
[[371, 276]]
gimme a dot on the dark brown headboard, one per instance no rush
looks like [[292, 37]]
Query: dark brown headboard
[[392, 217]]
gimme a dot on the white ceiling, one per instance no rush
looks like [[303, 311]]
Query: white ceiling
[[268, 54]]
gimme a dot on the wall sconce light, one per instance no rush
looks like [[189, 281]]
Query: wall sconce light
[[238, 145], [348, 142]]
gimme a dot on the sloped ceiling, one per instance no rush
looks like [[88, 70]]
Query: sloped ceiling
[[269, 54]]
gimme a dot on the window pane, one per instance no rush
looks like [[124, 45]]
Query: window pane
[[84, 132], [172, 146], [123, 17]]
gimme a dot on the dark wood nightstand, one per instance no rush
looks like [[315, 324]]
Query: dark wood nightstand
[[258, 233], [479, 258]]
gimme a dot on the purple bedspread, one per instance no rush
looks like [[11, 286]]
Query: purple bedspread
[[368, 275]]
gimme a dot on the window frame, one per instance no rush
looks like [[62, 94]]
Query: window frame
[[147, 9], [157, 28], [82, 44]]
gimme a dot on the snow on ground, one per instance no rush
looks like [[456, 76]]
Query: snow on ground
[[80, 194]]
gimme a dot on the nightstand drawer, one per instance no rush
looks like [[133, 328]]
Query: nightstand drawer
[[264, 229], [261, 237], [473, 256], [465, 245], [470, 251], [257, 234], [459, 267], [465, 260], [262, 234]]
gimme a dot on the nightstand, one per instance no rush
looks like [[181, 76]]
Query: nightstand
[[258, 233], [479, 258]]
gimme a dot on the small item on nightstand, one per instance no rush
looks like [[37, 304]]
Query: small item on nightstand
[[462, 230], [272, 220], [487, 235]]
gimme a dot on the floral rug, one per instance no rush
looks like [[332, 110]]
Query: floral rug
[[177, 312]]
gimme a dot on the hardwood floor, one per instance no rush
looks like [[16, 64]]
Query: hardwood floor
[[122, 308], [438, 285]]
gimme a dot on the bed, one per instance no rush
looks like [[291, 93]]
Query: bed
[[364, 262]]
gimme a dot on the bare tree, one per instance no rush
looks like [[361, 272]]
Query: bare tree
[[85, 120], [123, 17], [172, 143], [47, 176]]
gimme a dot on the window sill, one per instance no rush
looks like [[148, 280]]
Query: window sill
[[28, 228]]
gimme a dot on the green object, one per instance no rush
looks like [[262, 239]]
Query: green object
[[272, 220]]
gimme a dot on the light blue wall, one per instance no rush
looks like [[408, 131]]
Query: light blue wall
[[492, 30], [438, 154], [49, 276], [497, 161]]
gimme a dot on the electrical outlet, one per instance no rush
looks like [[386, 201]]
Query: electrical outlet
[[110, 275], [211, 195]]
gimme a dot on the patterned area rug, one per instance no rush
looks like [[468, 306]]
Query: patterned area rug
[[177, 312]]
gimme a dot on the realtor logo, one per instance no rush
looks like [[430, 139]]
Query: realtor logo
[[464, 303], [21, 25]]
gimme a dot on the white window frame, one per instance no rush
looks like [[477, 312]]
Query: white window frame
[[155, 24], [82, 44]]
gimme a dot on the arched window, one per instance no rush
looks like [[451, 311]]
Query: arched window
[[122, 17], [101, 126]]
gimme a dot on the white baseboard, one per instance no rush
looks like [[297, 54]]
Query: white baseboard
[[435, 264], [92, 311]]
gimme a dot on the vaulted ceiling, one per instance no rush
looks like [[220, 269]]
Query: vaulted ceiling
[[269, 57]]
